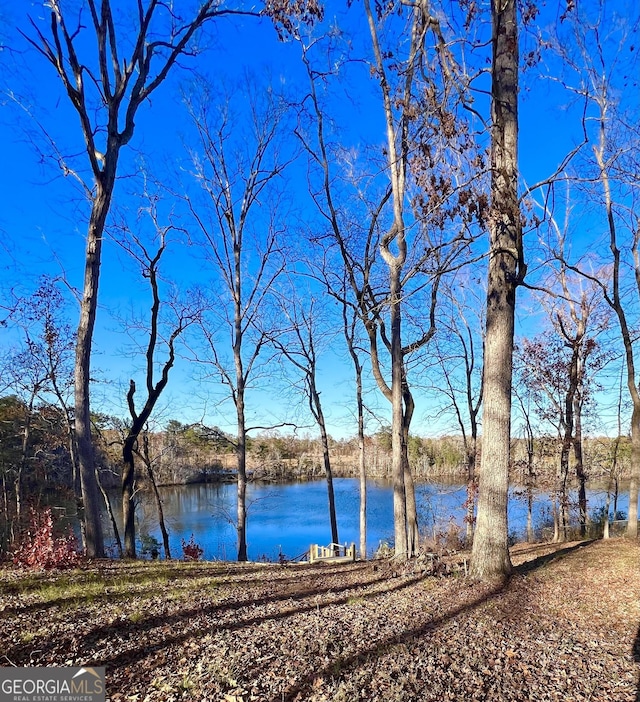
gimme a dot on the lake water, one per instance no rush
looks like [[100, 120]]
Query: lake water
[[287, 518]]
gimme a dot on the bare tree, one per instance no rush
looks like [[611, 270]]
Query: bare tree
[[106, 88], [559, 374], [41, 371], [614, 469], [524, 405], [402, 231], [459, 355], [350, 323], [184, 315], [599, 61], [241, 226], [298, 342]]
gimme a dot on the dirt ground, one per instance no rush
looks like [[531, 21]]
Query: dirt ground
[[565, 627]]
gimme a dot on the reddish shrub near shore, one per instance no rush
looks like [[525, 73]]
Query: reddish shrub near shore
[[41, 549], [191, 550]]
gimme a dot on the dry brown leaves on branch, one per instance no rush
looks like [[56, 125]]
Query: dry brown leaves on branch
[[563, 628]]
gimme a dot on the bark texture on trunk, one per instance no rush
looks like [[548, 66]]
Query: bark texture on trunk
[[490, 555], [401, 543], [94, 538], [362, 462]]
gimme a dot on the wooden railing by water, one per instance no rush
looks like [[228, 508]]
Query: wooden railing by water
[[333, 553]]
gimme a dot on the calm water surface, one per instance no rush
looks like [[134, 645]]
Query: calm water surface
[[287, 518]]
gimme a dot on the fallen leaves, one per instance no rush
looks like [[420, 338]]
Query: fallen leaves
[[254, 633]]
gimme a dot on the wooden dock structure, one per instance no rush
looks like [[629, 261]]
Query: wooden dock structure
[[333, 553]]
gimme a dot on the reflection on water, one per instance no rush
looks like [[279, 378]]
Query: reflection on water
[[287, 518]]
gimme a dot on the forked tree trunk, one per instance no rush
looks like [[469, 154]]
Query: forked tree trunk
[[490, 555], [153, 391]]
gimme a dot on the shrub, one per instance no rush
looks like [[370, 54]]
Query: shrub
[[191, 550], [40, 549], [149, 546]]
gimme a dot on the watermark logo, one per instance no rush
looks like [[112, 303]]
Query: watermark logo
[[52, 685]]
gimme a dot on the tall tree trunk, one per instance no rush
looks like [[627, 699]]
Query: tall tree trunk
[[362, 465], [82, 370], [161, 522], [471, 492], [530, 532], [490, 555], [530, 483], [600, 151], [401, 544], [605, 516], [75, 477], [240, 380], [564, 476], [580, 473], [241, 461], [556, 518], [413, 533]]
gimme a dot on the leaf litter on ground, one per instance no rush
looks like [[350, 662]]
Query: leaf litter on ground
[[564, 627]]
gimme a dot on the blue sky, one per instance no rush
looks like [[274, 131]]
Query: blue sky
[[43, 215]]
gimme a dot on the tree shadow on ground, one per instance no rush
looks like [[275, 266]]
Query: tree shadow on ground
[[544, 559], [299, 689], [489, 593], [302, 599], [146, 583]]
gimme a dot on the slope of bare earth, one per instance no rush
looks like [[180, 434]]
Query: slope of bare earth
[[565, 627]]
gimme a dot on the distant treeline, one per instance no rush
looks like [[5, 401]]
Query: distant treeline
[[36, 466], [197, 453]]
